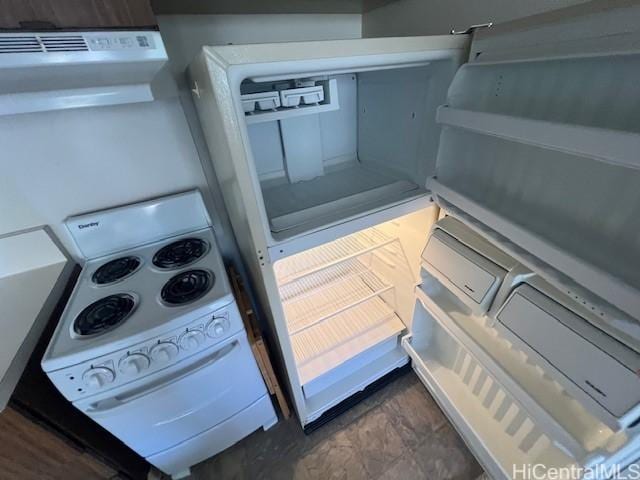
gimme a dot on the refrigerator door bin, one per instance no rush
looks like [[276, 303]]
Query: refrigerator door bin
[[508, 408], [497, 428], [474, 278], [595, 368]]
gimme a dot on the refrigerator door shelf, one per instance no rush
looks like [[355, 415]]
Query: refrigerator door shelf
[[474, 278], [595, 368]]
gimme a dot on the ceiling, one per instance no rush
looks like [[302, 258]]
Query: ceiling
[[264, 6]]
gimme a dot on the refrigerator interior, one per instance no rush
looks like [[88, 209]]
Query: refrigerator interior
[[347, 303], [360, 306], [345, 144], [513, 408]]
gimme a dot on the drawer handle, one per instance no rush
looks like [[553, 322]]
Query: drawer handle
[[118, 401]]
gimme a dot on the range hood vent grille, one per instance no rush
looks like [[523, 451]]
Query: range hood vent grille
[[42, 71], [70, 43], [22, 44], [43, 43]]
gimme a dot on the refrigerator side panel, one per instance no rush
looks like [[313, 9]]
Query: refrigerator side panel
[[216, 113]]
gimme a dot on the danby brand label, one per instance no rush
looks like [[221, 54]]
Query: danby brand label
[[88, 225]]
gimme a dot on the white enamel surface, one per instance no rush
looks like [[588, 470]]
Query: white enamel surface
[[210, 442], [108, 231], [181, 403], [149, 319]]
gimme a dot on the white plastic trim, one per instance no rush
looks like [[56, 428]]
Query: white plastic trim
[[603, 284], [609, 146]]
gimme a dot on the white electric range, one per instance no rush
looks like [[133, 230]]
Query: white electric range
[[151, 344]]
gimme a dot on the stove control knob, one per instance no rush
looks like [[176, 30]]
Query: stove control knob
[[133, 364], [97, 377], [217, 327], [191, 339], [164, 352]]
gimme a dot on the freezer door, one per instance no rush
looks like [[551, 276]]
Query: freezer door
[[539, 145]]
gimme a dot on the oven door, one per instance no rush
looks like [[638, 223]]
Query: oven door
[[164, 409]]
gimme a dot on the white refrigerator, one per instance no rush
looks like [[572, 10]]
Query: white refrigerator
[[468, 204]]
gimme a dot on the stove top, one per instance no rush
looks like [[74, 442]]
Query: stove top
[[187, 287], [180, 253], [131, 296], [104, 314], [117, 269]]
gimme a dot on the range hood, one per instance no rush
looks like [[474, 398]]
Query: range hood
[[58, 70]]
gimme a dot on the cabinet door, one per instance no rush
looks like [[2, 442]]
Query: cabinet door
[[76, 14], [540, 141]]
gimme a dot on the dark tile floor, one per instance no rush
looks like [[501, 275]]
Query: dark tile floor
[[398, 433]]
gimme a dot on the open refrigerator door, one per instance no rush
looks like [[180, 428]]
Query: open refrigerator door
[[526, 326]]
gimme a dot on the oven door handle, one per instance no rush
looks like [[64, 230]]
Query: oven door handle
[[116, 402]]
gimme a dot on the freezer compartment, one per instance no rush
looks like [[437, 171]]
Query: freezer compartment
[[374, 151], [498, 396], [594, 367], [340, 305]]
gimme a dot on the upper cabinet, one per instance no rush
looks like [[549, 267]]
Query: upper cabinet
[[254, 7], [76, 14]]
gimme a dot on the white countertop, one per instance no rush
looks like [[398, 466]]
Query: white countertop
[[32, 277]]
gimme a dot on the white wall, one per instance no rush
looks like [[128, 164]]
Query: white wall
[[435, 17], [61, 163], [184, 35]]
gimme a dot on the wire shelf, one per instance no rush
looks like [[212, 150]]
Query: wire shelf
[[318, 258], [328, 344], [315, 298], [349, 324], [310, 283]]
